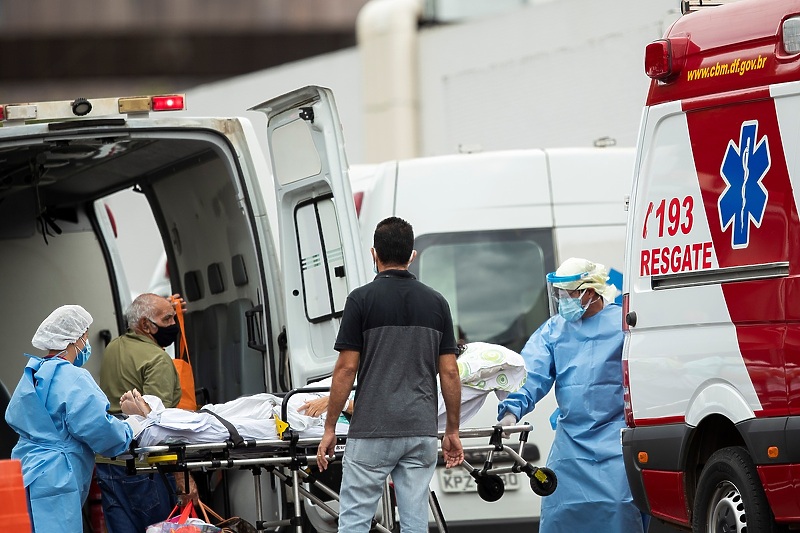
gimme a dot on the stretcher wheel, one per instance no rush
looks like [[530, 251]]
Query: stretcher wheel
[[544, 482], [490, 487]]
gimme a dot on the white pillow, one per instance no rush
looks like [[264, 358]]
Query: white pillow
[[491, 367]]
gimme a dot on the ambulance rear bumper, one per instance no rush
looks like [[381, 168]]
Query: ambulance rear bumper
[[663, 444]]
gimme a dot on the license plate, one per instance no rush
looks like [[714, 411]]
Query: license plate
[[458, 480]]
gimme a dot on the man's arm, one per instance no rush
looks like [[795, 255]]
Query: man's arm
[[344, 375], [540, 363], [451, 393]]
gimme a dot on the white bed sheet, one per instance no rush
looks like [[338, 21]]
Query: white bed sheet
[[484, 368]]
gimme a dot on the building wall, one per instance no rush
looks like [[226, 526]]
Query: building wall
[[46, 17], [554, 74], [56, 50]]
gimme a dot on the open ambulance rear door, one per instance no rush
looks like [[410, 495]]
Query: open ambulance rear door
[[317, 225]]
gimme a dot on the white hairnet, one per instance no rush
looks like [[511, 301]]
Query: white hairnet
[[65, 325], [592, 276]]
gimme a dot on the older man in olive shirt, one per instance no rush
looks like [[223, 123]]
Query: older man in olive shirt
[[137, 360]]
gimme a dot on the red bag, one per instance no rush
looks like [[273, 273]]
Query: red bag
[[184, 367], [186, 522]]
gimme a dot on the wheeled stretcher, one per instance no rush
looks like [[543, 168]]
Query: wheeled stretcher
[[291, 461]]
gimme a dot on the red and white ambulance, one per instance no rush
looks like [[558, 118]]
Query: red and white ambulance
[[712, 280]]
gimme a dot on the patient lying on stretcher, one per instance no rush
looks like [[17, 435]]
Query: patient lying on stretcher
[[483, 368]]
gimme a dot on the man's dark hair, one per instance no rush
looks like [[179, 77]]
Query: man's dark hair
[[393, 241]]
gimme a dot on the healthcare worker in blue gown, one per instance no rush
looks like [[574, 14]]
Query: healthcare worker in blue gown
[[60, 415], [579, 349]]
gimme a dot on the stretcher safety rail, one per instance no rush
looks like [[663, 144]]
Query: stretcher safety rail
[[292, 461]]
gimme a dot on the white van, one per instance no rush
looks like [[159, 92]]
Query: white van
[[265, 264], [488, 227], [711, 274]]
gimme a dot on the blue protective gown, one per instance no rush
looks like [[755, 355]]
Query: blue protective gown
[[60, 415], [584, 359]]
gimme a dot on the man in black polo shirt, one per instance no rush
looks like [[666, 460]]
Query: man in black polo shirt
[[396, 335]]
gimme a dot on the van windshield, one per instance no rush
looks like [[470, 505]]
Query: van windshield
[[493, 280]]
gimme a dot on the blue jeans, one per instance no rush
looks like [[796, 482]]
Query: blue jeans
[[131, 503], [410, 461]]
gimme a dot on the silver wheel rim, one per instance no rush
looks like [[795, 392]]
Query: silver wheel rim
[[726, 512]]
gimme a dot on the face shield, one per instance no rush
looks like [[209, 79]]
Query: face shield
[[559, 287]]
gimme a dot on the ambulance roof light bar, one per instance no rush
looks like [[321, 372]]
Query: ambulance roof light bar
[[690, 6], [82, 107]]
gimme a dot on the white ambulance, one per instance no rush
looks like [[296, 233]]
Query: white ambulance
[[488, 227], [712, 348], [265, 264]]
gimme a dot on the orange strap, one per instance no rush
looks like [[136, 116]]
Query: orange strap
[[183, 348]]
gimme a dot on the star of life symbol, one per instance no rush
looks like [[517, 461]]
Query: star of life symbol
[[744, 199]]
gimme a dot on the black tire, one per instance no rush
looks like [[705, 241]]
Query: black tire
[[730, 497], [490, 487]]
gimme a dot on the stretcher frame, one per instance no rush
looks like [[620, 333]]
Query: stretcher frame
[[287, 459]]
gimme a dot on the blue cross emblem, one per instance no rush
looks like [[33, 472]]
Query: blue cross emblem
[[744, 199]]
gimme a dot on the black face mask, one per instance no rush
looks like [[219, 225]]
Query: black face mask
[[166, 335]]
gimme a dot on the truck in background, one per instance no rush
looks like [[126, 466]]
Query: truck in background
[[265, 264], [488, 227], [711, 273]]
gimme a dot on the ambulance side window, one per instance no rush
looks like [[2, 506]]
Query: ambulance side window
[[493, 280], [321, 259]]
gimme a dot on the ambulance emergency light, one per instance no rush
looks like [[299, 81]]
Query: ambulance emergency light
[[83, 107], [665, 58]]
